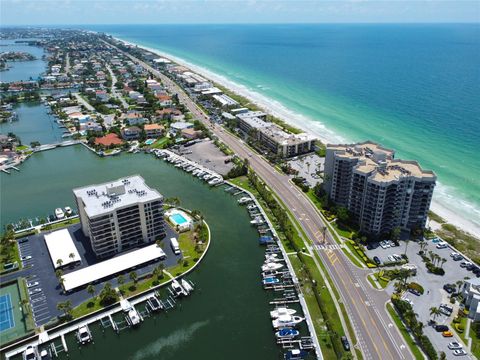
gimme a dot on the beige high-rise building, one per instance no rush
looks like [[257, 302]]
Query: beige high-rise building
[[381, 192], [120, 215]]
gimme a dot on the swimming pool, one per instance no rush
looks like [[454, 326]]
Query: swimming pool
[[149, 141], [178, 219]]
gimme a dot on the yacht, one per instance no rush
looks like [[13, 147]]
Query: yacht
[[178, 290], [132, 317], [287, 333], [286, 321], [244, 200], [84, 336], [68, 211], [215, 181], [281, 311], [59, 214], [270, 266], [207, 177], [252, 207], [257, 221], [45, 355], [273, 257], [201, 173], [187, 286], [31, 353]]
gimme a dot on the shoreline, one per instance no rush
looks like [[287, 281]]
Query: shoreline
[[277, 109]]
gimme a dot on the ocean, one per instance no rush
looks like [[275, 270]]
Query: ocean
[[414, 88]]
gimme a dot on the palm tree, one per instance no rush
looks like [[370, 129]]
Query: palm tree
[[406, 246], [459, 284], [443, 261], [71, 256], [91, 290], [423, 245], [24, 303], [66, 307], [434, 311], [134, 277], [58, 273], [121, 280], [59, 262], [159, 243]]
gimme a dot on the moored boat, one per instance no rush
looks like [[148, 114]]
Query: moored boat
[[59, 214], [274, 314], [83, 335], [286, 321], [287, 333]]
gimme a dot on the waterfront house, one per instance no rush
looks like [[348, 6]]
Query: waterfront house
[[471, 293], [108, 140], [131, 133], [134, 117], [153, 130]]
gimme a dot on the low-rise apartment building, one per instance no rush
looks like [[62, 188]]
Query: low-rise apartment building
[[272, 137], [120, 215], [381, 192]]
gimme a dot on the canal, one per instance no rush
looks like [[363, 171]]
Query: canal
[[34, 124], [225, 318]]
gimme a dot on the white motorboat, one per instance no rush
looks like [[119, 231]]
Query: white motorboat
[[84, 336], [59, 214], [195, 172], [178, 290], [287, 333], [207, 177], [257, 221], [31, 353], [68, 211], [45, 355], [201, 173], [154, 304], [271, 266], [275, 314], [286, 321], [132, 317], [251, 207], [215, 181], [244, 200], [187, 286]]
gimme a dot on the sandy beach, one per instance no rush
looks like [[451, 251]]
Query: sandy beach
[[441, 198]]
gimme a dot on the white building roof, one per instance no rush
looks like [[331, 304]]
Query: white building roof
[[60, 245], [103, 198], [112, 266], [225, 100]]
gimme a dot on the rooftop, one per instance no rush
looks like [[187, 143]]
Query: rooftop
[[103, 198], [109, 139], [60, 245], [112, 266]]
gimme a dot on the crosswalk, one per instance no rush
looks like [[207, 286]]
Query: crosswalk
[[328, 247]]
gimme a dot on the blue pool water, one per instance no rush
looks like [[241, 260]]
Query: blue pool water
[[178, 219], [149, 141]]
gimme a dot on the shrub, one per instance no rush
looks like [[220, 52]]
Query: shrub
[[460, 328], [417, 287]]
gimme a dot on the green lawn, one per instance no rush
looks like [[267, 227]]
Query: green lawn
[[475, 341], [9, 255], [22, 148], [30, 324], [160, 143], [60, 225], [462, 335], [406, 335]]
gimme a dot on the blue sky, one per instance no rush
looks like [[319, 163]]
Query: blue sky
[[39, 12]]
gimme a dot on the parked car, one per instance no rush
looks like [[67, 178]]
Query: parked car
[[377, 260], [23, 240], [28, 257], [384, 244], [447, 334], [414, 291], [442, 245], [469, 267], [441, 328], [34, 291], [345, 343], [454, 346], [459, 352], [464, 264], [32, 284], [449, 288]]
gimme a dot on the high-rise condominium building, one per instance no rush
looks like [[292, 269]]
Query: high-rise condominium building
[[381, 192], [120, 215]]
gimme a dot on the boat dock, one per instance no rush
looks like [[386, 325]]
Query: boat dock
[[287, 281], [54, 340]]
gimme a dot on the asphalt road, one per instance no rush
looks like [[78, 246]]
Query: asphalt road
[[377, 336]]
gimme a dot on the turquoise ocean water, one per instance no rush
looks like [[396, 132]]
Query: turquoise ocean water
[[415, 88]]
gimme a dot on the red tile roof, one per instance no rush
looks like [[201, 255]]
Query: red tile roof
[[109, 139]]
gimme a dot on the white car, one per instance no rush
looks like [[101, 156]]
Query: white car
[[32, 284], [459, 352], [442, 245], [34, 291], [465, 264], [28, 257], [454, 346], [384, 244]]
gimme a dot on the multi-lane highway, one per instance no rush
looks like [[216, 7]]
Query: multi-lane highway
[[377, 336]]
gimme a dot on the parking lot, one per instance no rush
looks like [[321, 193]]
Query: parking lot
[[207, 154], [45, 291], [308, 166], [434, 294]]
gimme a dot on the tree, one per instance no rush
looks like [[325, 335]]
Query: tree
[[159, 243], [91, 290], [342, 214], [108, 295], [134, 277], [34, 144], [59, 262], [406, 246], [158, 271], [435, 312], [395, 233], [459, 284], [443, 356], [443, 261], [24, 303], [121, 280], [71, 256], [66, 307]]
